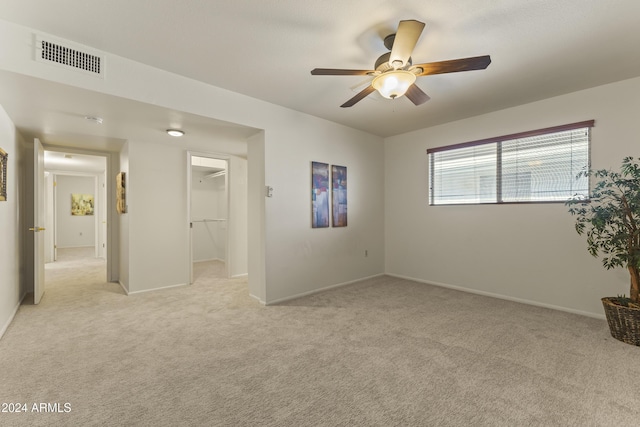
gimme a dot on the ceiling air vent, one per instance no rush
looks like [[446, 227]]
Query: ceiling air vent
[[65, 54]]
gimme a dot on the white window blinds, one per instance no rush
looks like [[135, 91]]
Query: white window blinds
[[465, 175], [536, 166]]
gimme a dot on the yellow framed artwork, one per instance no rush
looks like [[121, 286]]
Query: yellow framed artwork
[[82, 204]]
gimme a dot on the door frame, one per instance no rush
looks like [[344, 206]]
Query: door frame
[[38, 221], [227, 159], [49, 218], [112, 239], [94, 176]]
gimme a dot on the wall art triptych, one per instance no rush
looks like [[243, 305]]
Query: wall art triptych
[[325, 188]]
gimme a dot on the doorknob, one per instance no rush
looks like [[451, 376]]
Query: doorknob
[[36, 229]]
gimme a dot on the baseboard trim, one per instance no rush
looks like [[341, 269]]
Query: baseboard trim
[[240, 276], [208, 260], [317, 291], [12, 316], [126, 291], [258, 299], [503, 297], [157, 289]]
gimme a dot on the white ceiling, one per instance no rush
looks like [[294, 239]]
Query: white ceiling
[[55, 114], [267, 48], [61, 161]]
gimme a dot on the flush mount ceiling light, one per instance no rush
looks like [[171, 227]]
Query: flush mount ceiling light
[[175, 132], [95, 119]]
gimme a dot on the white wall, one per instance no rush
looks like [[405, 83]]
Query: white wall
[[122, 220], [72, 230], [256, 216], [297, 259], [101, 212], [238, 217], [527, 252], [113, 222], [300, 259], [49, 203], [208, 201], [12, 226], [221, 212], [157, 213], [157, 199]]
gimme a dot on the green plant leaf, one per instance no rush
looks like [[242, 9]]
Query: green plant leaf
[[610, 217]]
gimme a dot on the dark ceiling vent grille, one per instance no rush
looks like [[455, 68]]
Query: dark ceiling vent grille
[[70, 57]]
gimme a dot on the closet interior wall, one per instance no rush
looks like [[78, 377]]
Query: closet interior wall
[[208, 215]]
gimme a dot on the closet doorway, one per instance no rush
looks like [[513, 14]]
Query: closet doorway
[[208, 207]]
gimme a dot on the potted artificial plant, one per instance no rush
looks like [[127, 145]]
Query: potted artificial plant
[[610, 217]]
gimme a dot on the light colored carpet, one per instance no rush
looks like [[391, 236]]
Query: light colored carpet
[[382, 352]]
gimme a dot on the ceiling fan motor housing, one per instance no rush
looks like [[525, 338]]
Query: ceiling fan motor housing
[[388, 41], [382, 64]]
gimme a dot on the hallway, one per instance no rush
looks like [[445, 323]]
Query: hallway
[[90, 345], [76, 274]]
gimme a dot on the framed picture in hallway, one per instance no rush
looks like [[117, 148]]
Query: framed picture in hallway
[[319, 195], [3, 175], [339, 195], [121, 193], [82, 204]]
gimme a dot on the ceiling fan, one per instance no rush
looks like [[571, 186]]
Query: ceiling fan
[[395, 74]]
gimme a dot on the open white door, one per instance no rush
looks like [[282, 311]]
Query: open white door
[[38, 221]]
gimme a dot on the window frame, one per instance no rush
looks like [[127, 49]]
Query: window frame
[[497, 140]]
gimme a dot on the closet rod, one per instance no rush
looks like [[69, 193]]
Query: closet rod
[[215, 174]]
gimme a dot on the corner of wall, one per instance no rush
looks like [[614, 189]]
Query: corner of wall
[[256, 211], [13, 225], [123, 221]]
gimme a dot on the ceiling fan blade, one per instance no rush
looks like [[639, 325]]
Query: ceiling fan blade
[[416, 95], [405, 40], [454, 65], [339, 72], [359, 97]]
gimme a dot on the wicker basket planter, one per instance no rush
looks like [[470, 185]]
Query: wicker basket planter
[[624, 322]]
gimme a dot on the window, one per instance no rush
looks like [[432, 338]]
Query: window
[[535, 166]]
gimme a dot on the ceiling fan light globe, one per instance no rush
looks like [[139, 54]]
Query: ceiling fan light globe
[[393, 84]]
